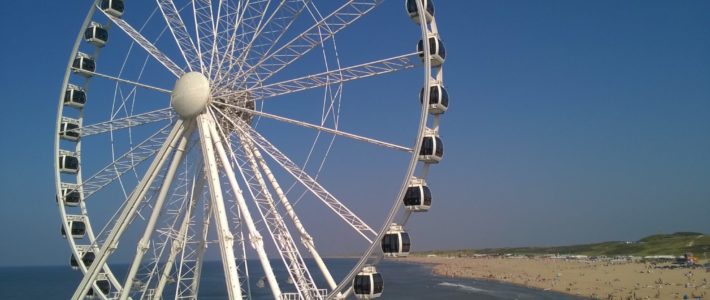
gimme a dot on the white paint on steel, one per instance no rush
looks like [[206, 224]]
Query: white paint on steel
[[224, 235], [144, 242]]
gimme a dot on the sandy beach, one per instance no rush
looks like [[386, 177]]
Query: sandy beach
[[595, 279]]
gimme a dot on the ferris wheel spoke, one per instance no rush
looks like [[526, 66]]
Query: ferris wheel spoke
[[177, 206], [205, 31], [193, 246], [132, 121], [147, 45], [144, 243], [121, 80], [235, 27], [274, 28], [254, 235], [257, 162], [194, 286], [128, 211], [177, 241], [317, 127], [259, 191], [264, 37], [180, 33], [306, 41], [126, 162], [338, 76], [311, 184]]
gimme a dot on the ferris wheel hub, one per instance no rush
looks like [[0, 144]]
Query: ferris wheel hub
[[190, 95]]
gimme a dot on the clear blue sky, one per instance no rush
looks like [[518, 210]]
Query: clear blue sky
[[570, 121]]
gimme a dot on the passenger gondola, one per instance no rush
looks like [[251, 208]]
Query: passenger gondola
[[368, 284], [69, 130], [414, 12], [432, 150], [395, 242], [436, 49], [438, 99], [84, 65], [68, 164], [96, 35], [418, 196], [74, 96], [78, 229], [104, 286], [113, 7], [87, 259], [71, 196]]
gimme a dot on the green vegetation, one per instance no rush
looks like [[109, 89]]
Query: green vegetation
[[659, 244]]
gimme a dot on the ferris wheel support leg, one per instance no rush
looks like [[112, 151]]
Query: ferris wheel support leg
[[306, 238], [225, 237], [128, 212], [206, 217], [255, 237], [178, 241], [144, 243]]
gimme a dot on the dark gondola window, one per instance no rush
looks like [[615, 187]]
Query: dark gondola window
[[412, 6], [68, 96], [406, 243], [72, 196], [77, 63], [73, 261], [427, 146], [439, 147], [434, 95], [379, 283], [79, 97], [88, 258], [412, 196], [64, 233], [88, 65], [70, 130], [89, 33], [432, 45], [78, 228], [442, 50], [427, 195], [362, 284], [117, 5], [101, 34], [70, 162], [390, 243], [105, 4], [104, 286], [444, 97], [75, 96]]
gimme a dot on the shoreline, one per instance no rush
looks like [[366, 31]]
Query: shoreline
[[483, 279], [596, 280]]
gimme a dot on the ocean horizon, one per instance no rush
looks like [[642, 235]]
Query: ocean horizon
[[403, 280]]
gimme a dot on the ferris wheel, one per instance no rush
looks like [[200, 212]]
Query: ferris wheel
[[160, 175]]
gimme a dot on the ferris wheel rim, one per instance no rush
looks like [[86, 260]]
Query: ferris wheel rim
[[397, 203]]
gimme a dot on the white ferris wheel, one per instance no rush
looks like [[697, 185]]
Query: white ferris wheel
[[163, 175]]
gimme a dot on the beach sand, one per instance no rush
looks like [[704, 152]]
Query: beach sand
[[598, 280]]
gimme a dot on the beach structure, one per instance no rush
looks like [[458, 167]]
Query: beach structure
[[166, 174]]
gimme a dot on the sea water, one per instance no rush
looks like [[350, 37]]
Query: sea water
[[402, 281]]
